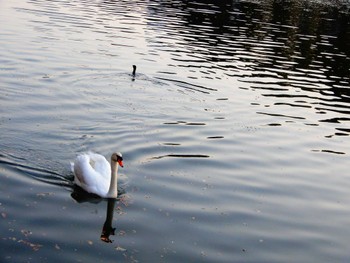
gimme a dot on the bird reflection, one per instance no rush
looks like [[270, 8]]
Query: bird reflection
[[107, 229], [81, 196]]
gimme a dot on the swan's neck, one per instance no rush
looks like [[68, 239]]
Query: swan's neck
[[113, 187]]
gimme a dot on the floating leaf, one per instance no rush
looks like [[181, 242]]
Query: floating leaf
[[121, 233], [35, 247], [44, 194], [26, 233], [119, 248]]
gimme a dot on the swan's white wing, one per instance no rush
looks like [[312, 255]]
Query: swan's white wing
[[100, 165], [92, 173]]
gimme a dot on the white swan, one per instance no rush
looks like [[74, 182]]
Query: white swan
[[95, 175]]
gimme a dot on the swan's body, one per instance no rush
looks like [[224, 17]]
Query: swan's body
[[95, 175]]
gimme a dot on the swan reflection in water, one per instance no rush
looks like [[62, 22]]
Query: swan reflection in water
[[107, 230]]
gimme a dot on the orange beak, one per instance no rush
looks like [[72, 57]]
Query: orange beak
[[121, 163]]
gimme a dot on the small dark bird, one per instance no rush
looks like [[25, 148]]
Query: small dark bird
[[133, 74]]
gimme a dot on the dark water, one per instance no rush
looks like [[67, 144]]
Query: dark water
[[235, 130]]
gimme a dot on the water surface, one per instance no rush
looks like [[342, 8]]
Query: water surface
[[234, 130]]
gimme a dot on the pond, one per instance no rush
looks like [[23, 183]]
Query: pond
[[234, 130]]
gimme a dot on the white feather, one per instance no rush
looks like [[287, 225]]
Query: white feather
[[93, 173]]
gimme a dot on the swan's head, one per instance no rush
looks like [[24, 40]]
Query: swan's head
[[117, 157]]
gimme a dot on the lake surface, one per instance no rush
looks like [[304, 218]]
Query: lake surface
[[234, 131]]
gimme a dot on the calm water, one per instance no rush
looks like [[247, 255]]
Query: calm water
[[235, 130]]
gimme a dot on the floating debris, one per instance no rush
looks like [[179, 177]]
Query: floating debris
[[26, 233], [119, 248], [33, 246], [44, 194], [121, 233]]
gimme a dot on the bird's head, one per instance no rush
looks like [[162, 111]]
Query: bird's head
[[117, 157]]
